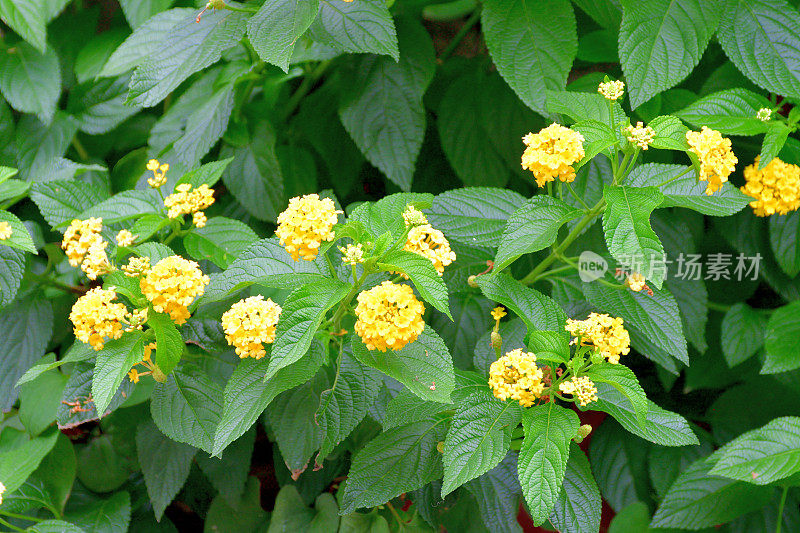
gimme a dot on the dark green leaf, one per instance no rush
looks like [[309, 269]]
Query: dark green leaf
[[169, 344], [539, 312], [783, 353], [742, 333], [26, 326], [274, 29], [221, 240], [113, 362], [476, 215], [732, 111], [358, 27], [577, 509]]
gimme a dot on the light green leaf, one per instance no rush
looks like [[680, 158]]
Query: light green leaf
[[474, 215], [169, 344], [76, 353], [28, 20], [20, 462], [597, 137], [357, 27], [39, 401], [221, 240], [208, 174], [624, 381], [775, 138], [31, 80], [532, 227], [113, 362], [543, 457], [275, 28], [386, 215], [670, 133], [422, 273], [20, 237], [732, 111], [742, 333], [581, 107], [539, 312], [61, 201], [124, 206], [138, 12], [783, 353]]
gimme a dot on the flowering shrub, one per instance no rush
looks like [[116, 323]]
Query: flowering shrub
[[399, 265]]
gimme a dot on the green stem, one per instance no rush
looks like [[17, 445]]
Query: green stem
[[10, 525], [780, 509], [248, 90], [44, 280], [714, 306], [676, 177], [343, 305], [22, 516], [306, 86], [242, 9], [574, 194], [458, 37], [82, 153], [556, 270], [396, 516]]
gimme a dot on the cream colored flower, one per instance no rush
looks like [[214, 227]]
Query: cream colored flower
[[303, 226], [389, 316]]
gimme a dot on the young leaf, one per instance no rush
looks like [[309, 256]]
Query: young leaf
[[670, 133], [538, 311], [169, 343], [775, 138], [137, 12], [422, 273], [363, 27], [18, 463], [275, 27], [424, 366], [28, 20], [783, 354], [20, 237], [578, 504], [478, 439], [732, 112], [543, 457], [532, 227], [386, 215], [624, 381], [113, 362], [31, 80], [208, 174]]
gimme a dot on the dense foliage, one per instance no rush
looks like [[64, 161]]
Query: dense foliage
[[368, 265]]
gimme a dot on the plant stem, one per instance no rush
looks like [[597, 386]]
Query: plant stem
[[10, 525], [780, 509], [22, 516], [44, 280], [396, 516], [714, 306], [305, 87], [82, 153], [574, 194], [458, 37]]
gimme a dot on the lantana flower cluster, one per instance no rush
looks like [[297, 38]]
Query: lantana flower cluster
[[605, 333], [389, 316], [515, 376], [96, 317], [172, 285], [551, 153], [776, 187], [186, 201], [717, 160], [305, 224], [84, 246], [249, 324], [582, 388]]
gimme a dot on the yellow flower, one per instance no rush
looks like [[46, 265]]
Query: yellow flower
[[148, 350], [96, 261], [389, 316], [606, 334], [414, 217], [95, 317], [552, 152], [133, 375], [582, 388], [79, 237], [249, 323], [498, 312], [515, 376], [612, 90], [2, 491], [185, 201], [640, 135], [159, 173], [764, 114], [172, 285], [717, 161], [5, 230], [125, 237], [136, 266], [305, 224], [776, 187], [353, 254], [430, 243], [199, 219], [636, 282], [136, 319]]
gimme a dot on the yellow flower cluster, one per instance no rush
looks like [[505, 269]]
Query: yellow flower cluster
[[551, 153], [79, 237], [5, 230], [776, 187], [414, 217], [96, 261], [159, 173], [389, 316], [515, 376], [125, 238], [636, 282], [606, 334], [717, 161], [137, 319], [95, 317], [612, 90], [172, 285], [249, 323], [305, 224], [185, 201], [137, 266], [582, 388], [432, 244], [353, 254], [134, 374], [640, 135]]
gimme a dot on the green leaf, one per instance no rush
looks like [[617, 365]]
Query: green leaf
[[629, 237], [423, 366], [698, 499], [357, 27], [302, 314], [12, 267], [138, 12], [474, 215], [20, 237], [666, 464], [497, 493], [26, 326], [661, 41], [61, 201], [422, 273], [145, 41], [189, 46], [670, 133], [165, 465], [267, 263], [681, 188], [100, 106], [188, 406], [113, 362], [470, 321], [228, 474], [539, 312], [478, 439], [55, 526], [742, 333], [208, 174], [112, 514], [76, 353], [624, 382], [76, 394], [28, 20], [784, 234], [39, 401], [762, 38], [247, 394], [386, 215], [532, 44], [619, 463], [597, 136], [578, 505], [169, 343], [221, 240], [124, 206], [783, 354], [532, 227], [20, 462], [382, 108], [245, 514], [777, 133], [396, 461], [543, 457], [291, 513], [580, 107], [31, 80], [547, 345], [344, 405], [274, 29], [732, 112]]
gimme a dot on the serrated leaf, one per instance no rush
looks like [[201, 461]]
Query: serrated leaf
[[112, 514], [581, 106], [169, 343], [61, 201], [474, 215], [76, 353], [20, 238], [497, 493], [386, 215], [396, 461], [619, 464], [422, 273], [681, 188], [532, 44], [30, 80], [783, 354], [732, 111], [276, 26], [661, 41], [539, 312], [578, 507], [18, 463], [543, 457], [228, 474], [27, 326], [78, 393], [670, 133], [424, 366], [784, 234], [138, 12], [762, 38], [547, 345], [113, 362], [478, 439], [124, 206], [363, 27], [742, 333], [624, 382], [775, 138], [597, 137], [221, 240], [208, 174], [12, 267], [629, 237], [302, 314], [532, 227], [99, 106], [27, 19]]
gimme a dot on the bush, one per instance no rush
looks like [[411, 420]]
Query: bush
[[370, 266]]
